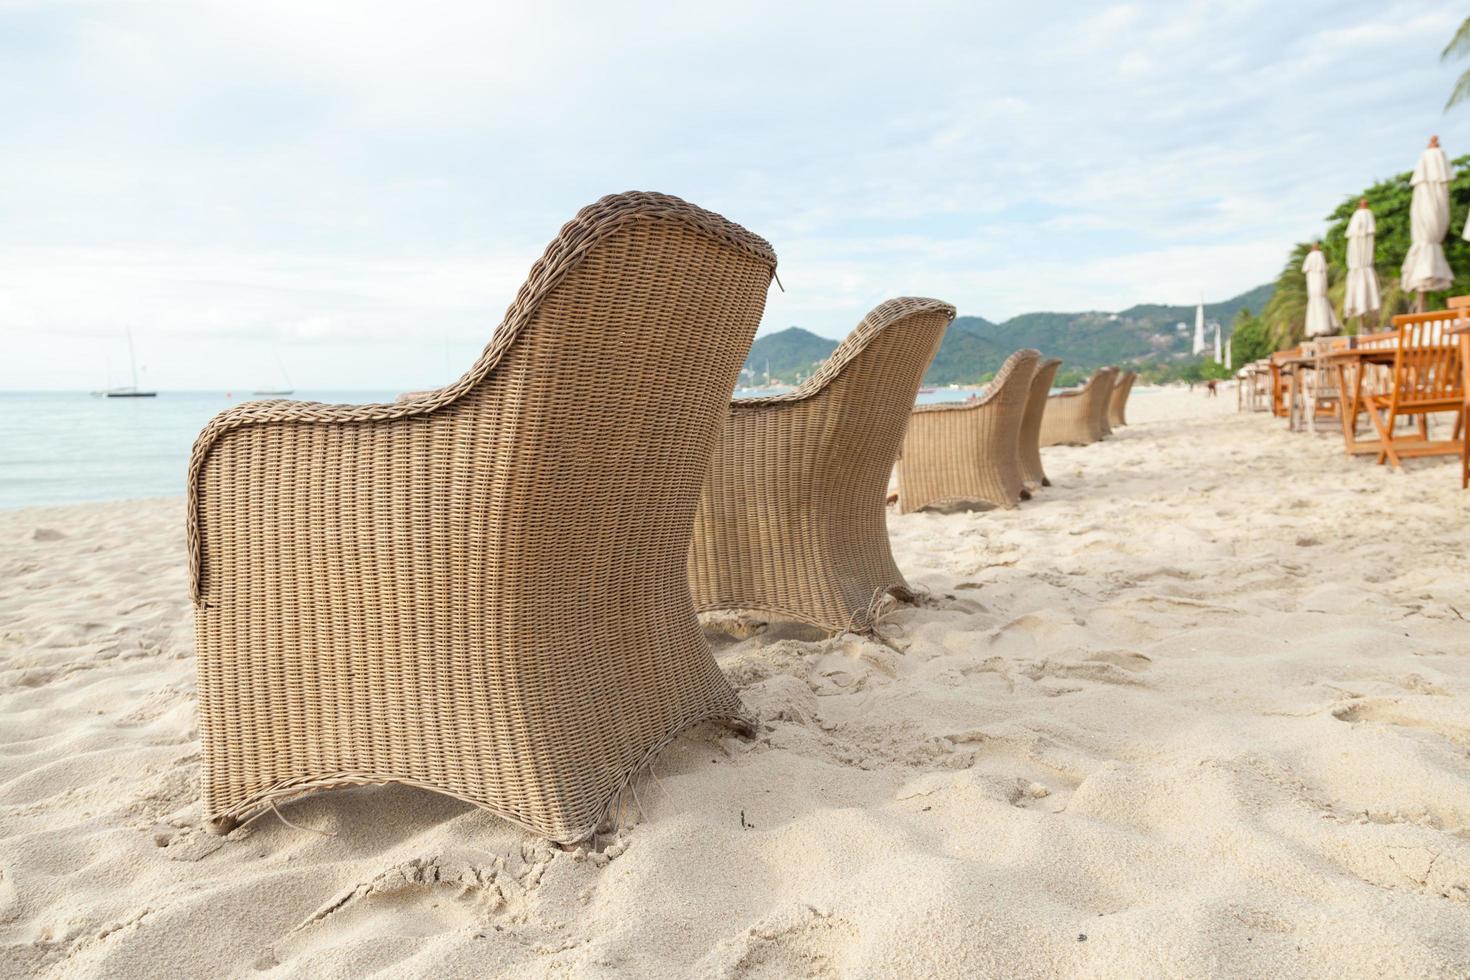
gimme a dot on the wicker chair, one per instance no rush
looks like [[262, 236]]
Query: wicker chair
[[1030, 445], [1118, 402], [1103, 406], [1073, 417], [482, 591], [969, 452], [792, 518]]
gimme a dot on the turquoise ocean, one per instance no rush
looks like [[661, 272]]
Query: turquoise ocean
[[60, 447]]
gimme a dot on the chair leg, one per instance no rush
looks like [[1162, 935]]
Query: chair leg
[[1385, 434]]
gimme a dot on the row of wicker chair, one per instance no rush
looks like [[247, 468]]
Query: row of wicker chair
[[490, 590]]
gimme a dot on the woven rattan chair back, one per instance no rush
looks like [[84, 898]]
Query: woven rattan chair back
[[482, 590], [1030, 438], [792, 520], [1102, 401], [969, 452], [1118, 402], [1070, 417]]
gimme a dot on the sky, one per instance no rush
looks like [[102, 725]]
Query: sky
[[354, 194]]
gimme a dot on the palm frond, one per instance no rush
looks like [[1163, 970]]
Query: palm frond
[[1460, 93], [1459, 44]]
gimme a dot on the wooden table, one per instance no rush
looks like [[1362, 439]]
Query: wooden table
[[1350, 394]]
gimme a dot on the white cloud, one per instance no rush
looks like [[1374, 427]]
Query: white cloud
[[229, 178]]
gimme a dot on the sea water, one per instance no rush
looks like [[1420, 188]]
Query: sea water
[[64, 447], [61, 447]]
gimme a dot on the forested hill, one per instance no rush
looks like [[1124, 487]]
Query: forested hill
[[974, 348]]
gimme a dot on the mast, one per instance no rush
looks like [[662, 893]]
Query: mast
[[132, 361]]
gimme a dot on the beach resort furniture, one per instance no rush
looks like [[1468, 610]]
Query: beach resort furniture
[[482, 591], [1252, 388], [792, 519], [1102, 401], [969, 452], [1282, 367], [1118, 400], [1460, 333], [1030, 438], [1110, 381], [1427, 380], [1323, 396], [1075, 417], [1364, 366]]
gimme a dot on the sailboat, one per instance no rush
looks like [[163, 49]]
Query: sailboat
[[284, 377], [132, 390]]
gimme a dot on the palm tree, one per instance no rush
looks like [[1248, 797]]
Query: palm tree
[[1285, 313], [1458, 47]]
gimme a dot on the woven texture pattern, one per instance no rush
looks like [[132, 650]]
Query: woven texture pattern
[[1102, 418], [792, 518], [1029, 446], [481, 590], [1118, 403], [969, 453], [1076, 417]]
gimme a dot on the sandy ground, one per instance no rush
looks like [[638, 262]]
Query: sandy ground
[[1200, 709]]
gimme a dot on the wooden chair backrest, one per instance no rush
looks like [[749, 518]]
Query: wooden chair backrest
[[1426, 366], [1386, 338], [1278, 380]]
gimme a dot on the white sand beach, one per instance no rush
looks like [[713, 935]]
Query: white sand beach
[[1200, 709]]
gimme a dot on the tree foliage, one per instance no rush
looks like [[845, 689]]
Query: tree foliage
[[1248, 339], [1458, 47], [1285, 314]]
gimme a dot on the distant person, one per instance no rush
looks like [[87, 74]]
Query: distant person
[[1211, 385]]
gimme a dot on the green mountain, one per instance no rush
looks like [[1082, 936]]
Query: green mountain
[[786, 354], [974, 348]]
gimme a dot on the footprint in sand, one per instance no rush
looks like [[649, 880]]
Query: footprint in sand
[[801, 942], [1389, 711], [1134, 662], [419, 898]]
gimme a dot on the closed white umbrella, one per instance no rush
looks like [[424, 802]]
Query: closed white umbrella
[[1199, 329], [1362, 279], [1321, 317], [1425, 268]]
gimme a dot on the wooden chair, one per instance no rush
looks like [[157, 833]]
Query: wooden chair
[[1281, 377], [482, 590], [1427, 379], [1320, 392], [1461, 306]]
